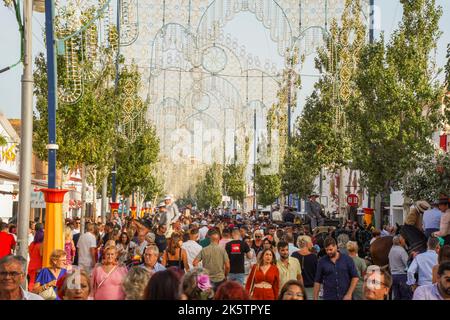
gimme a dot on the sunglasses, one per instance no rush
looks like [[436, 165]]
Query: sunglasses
[[12, 274]]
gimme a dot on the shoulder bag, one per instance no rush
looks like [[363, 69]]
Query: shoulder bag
[[252, 285], [107, 276]]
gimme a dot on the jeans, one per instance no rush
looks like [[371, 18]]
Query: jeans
[[316, 221], [400, 290], [239, 277]]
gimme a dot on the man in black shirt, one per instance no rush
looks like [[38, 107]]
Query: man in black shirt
[[289, 216], [236, 249]]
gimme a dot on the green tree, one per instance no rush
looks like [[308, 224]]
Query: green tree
[[447, 82], [431, 178], [395, 110], [85, 129], [136, 162], [297, 175], [209, 190], [268, 186], [234, 181]]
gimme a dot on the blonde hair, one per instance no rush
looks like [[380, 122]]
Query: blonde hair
[[57, 254], [302, 241], [352, 246], [68, 234], [109, 247]]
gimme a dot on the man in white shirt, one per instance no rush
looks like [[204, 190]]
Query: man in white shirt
[[192, 247], [423, 264], [276, 215], [203, 230], [14, 268], [86, 249], [173, 214]]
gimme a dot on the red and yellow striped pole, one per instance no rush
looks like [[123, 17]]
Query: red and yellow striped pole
[[54, 223]]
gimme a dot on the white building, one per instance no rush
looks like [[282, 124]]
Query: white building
[[9, 169]]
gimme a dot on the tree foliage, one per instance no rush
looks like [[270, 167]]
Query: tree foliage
[[85, 130], [268, 186], [234, 181], [209, 190], [396, 109], [447, 82], [430, 180], [297, 175], [135, 163]]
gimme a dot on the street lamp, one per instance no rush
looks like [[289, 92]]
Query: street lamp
[[26, 131]]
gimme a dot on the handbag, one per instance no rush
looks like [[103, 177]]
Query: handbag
[[48, 294]]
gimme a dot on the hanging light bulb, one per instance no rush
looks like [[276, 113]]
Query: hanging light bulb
[[39, 5]]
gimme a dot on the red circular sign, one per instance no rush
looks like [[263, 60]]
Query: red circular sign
[[352, 200]]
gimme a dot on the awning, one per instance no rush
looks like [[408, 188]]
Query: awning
[[13, 177]]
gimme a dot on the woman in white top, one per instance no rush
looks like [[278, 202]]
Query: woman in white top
[[248, 263]]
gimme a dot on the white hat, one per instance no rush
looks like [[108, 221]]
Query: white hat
[[168, 197], [162, 204]]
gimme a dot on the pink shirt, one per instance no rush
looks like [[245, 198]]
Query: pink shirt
[[445, 224], [111, 288], [223, 242]]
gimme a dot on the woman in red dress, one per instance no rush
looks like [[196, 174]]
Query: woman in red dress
[[35, 250], [264, 280]]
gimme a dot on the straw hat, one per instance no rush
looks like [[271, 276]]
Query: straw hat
[[422, 206]]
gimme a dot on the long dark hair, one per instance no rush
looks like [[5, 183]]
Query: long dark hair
[[164, 285], [261, 257], [39, 236], [124, 234]]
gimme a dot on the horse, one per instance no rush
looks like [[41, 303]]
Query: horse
[[416, 241]]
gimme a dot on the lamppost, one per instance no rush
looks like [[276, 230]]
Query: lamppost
[[26, 132], [113, 204], [53, 237], [255, 150]]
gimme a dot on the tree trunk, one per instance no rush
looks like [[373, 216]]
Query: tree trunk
[[378, 211], [83, 198], [104, 198], [341, 194], [94, 197]]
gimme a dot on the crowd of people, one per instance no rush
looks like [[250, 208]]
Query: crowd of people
[[185, 254]]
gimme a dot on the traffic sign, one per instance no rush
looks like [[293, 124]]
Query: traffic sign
[[352, 200]]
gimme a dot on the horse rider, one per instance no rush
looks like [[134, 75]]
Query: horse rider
[[173, 214], [314, 211], [415, 215]]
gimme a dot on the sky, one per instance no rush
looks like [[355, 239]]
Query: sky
[[257, 42]]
